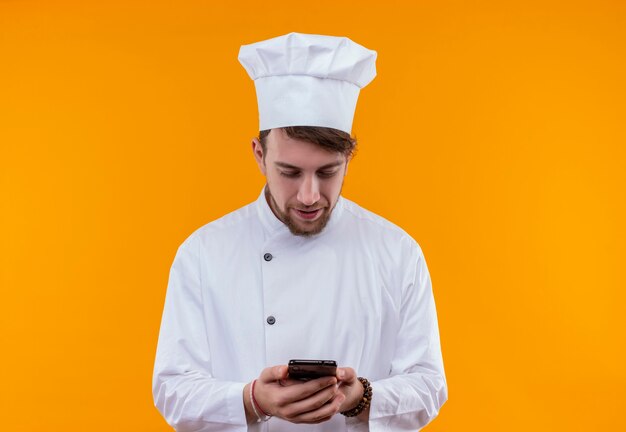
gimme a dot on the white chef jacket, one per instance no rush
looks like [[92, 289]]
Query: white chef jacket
[[244, 294]]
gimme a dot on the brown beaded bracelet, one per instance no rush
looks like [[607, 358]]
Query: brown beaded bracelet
[[365, 401]]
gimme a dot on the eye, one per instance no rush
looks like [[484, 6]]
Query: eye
[[327, 174], [290, 174]]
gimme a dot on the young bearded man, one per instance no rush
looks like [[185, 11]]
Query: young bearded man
[[301, 273]]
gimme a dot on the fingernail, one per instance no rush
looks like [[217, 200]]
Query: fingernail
[[341, 374]]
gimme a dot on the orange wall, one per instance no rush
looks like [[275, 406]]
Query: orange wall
[[494, 134]]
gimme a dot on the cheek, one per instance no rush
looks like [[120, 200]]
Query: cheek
[[333, 188], [282, 189]]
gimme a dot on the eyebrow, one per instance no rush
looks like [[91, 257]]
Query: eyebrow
[[293, 167]]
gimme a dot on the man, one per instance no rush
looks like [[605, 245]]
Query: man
[[301, 273]]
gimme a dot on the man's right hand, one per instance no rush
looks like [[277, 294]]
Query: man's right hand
[[313, 401]]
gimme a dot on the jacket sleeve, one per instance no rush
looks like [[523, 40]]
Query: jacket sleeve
[[184, 390], [416, 388]]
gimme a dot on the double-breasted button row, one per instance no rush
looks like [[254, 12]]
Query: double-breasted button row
[[270, 319]]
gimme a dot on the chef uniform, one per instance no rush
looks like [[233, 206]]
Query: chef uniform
[[245, 293]]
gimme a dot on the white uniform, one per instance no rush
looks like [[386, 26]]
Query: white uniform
[[244, 294]]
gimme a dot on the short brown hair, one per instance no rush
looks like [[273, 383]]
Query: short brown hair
[[330, 139]]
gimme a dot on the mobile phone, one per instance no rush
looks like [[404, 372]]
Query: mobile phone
[[310, 369]]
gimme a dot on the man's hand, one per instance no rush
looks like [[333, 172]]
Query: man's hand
[[313, 401], [350, 386]]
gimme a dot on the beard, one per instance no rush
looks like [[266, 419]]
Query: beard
[[313, 227]]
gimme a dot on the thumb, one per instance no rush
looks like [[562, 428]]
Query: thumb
[[346, 374], [273, 373]]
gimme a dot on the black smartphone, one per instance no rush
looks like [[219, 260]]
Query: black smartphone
[[311, 369]]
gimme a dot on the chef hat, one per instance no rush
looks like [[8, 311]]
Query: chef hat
[[308, 80]]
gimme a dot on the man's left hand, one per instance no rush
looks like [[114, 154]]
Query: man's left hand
[[350, 386]]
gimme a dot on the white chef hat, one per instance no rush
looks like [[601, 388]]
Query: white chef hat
[[308, 80]]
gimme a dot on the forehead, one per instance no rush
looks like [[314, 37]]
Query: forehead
[[281, 148]]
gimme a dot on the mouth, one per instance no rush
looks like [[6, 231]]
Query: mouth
[[308, 215]]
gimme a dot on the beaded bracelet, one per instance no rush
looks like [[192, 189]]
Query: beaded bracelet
[[365, 401], [255, 405]]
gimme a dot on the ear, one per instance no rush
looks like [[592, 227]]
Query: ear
[[257, 149], [346, 170]]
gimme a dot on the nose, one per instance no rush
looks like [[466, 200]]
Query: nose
[[309, 191]]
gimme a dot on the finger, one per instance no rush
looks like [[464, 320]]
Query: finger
[[276, 400], [288, 382], [311, 403], [274, 373], [304, 389], [346, 374], [323, 413]]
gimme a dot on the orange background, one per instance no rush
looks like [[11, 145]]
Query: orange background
[[494, 134]]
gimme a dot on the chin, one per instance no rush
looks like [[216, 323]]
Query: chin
[[307, 230]]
